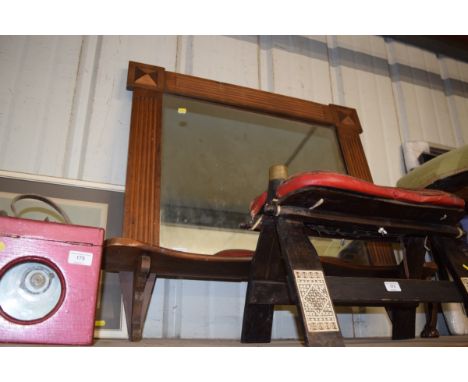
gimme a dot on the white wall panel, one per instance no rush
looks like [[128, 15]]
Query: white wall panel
[[81, 106], [423, 107], [362, 78], [106, 144], [231, 59], [38, 77], [455, 76], [300, 67], [265, 63], [200, 309]]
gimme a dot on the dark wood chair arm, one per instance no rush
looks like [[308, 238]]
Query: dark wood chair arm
[[121, 254]]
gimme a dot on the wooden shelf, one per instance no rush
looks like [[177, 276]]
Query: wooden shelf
[[444, 341]]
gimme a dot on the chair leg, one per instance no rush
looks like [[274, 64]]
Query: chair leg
[[266, 266], [404, 322], [430, 329], [404, 317], [257, 323], [285, 258], [307, 285], [452, 255], [137, 288]]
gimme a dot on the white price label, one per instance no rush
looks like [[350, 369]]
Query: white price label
[[80, 258], [392, 286]]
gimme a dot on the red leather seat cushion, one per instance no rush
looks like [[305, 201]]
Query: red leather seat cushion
[[348, 183]]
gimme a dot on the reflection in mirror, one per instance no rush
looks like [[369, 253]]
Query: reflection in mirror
[[215, 160]]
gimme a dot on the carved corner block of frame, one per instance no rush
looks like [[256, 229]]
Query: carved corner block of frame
[[145, 76], [346, 118]]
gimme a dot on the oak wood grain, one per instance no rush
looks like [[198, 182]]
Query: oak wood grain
[[142, 190]]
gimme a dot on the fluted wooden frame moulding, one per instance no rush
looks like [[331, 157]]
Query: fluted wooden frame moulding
[[149, 83]]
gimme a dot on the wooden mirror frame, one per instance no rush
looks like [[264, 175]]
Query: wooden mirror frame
[[149, 83]]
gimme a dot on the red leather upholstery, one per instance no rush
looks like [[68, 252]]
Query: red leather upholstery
[[348, 183], [234, 253], [257, 204]]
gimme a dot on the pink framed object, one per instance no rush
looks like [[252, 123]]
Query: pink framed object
[[73, 253]]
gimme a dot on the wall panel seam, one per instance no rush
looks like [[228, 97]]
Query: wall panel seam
[[89, 109]]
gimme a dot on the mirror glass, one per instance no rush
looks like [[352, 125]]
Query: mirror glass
[[215, 160]]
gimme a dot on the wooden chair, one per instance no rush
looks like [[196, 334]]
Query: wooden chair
[[140, 260], [286, 268]]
